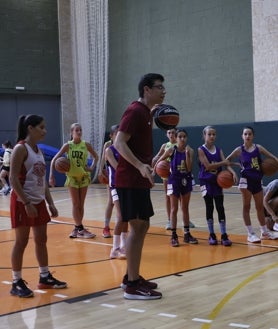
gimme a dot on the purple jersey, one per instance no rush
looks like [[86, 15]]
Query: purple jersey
[[251, 163], [180, 180], [210, 176], [208, 182], [111, 170]]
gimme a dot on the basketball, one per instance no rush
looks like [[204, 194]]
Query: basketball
[[102, 178], [269, 166], [62, 165], [225, 179], [166, 116], [163, 169]]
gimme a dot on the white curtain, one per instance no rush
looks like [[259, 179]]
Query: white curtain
[[90, 62]]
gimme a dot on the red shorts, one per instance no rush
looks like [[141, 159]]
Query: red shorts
[[20, 218]]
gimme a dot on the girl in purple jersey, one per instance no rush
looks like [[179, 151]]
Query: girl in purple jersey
[[120, 230], [179, 185], [250, 184], [211, 160]]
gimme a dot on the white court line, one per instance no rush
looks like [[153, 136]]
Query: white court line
[[7, 282], [167, 315], [40, 291], [239, 325], [136, 310], [108, 305], [60, 296], [93, 242], [202, 320]]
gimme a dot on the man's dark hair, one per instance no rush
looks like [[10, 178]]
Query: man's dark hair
[[148, 80]]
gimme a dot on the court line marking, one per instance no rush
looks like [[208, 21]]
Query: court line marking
[[93, 242], [231, 294], [136, 310], [108, 305], [167, 315], [202, 320], [239, 325]]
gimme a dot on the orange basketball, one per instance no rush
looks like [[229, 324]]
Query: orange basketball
[[269, 166], [102, 178], [163, 169], [62, 165], [225, 179]]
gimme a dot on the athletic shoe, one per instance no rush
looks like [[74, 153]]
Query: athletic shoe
[[191, 225], [73, 234], [106, 232], [168, 226], [225, 241], [85, 234], [212, 240], [20, 289], [149, 284], [275, 227], [174, 241], [117, 253], [188, 238], [51, 283], [141, 292], [268, 236], [253, 238]]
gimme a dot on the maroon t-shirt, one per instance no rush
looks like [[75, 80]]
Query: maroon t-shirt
[[137, 122]]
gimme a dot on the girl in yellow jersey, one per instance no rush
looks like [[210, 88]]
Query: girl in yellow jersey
[[78, 177]]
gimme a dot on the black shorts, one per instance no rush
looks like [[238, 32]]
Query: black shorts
[[135, 203], [5, 168]]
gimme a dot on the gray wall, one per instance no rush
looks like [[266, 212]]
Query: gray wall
[[203, 48], [29, 57]]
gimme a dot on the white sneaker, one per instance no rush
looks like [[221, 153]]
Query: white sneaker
[[275, 227], [117, 254], [253, 238], [268, 236]]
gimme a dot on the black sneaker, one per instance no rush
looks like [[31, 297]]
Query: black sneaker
[[51, 283], [188, 238], [20, 289], [149, 284], [141, 292]]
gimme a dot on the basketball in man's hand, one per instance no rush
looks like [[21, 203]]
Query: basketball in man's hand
[[166, 116]]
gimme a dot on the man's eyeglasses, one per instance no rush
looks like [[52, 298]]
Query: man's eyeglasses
[[160, 87]]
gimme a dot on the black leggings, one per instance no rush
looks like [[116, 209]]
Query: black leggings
[[218, 200]]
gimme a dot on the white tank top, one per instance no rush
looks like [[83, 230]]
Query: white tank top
[[33, 174]]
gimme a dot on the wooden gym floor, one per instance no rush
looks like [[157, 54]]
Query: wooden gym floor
[[203, 286]]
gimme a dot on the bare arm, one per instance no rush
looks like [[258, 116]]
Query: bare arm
[[94, 156], [265, 152], [211, 166], [102, 160], [158, 155], [62, 151], [109, 156]]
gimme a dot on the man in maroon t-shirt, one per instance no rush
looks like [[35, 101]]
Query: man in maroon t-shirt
[[134, 179]]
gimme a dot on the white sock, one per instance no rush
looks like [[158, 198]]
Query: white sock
[[16, 275], [123, 239], [44, 271], [116, 241], [263, 229], [250, 229]]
